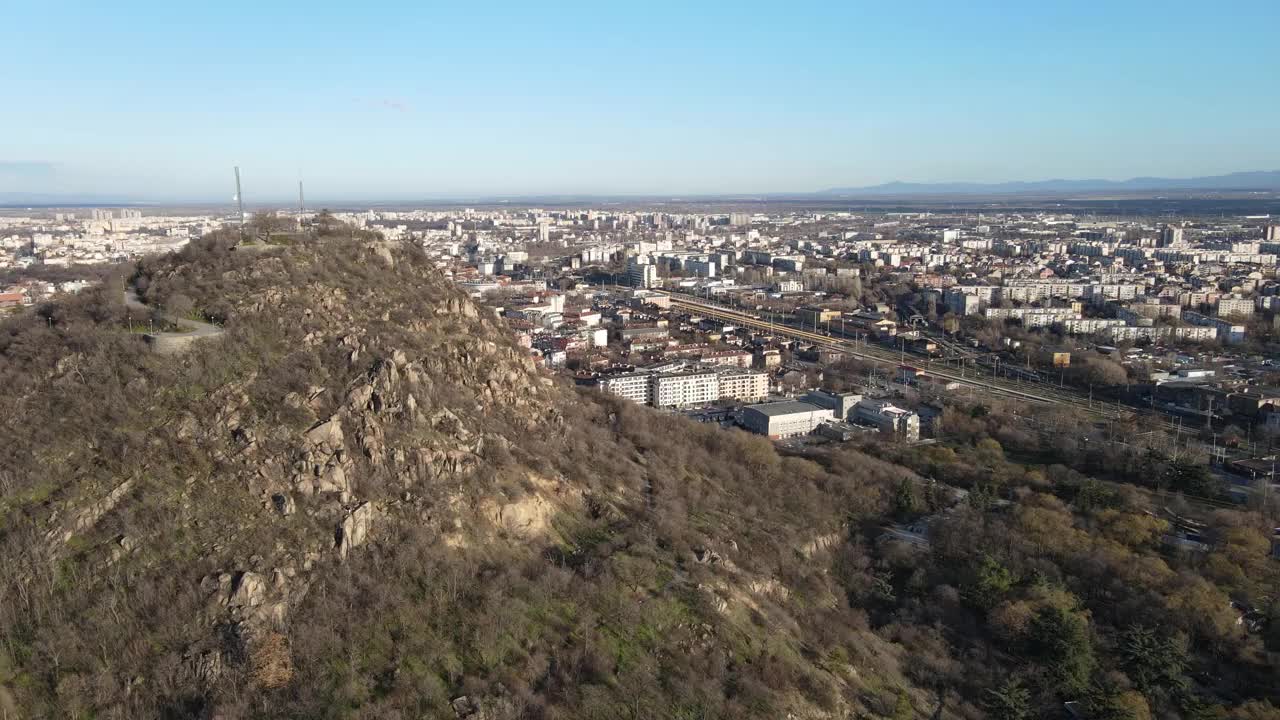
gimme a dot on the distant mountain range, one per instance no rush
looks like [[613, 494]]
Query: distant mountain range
[[1258, 180], [1255, 180]]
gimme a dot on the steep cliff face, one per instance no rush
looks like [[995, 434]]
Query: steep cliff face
[[366, 501]]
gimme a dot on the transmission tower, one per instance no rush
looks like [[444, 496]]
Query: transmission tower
[[240, 203]]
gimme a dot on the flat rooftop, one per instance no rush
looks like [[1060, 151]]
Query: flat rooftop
[[787, 407]]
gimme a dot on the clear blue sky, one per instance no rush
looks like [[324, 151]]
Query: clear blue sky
[[416, 98]]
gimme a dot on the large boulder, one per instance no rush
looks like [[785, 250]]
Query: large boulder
[[326, 436], [355, 528]]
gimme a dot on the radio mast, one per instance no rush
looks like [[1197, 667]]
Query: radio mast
[[240, 203]]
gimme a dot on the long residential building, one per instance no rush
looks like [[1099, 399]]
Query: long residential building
[[1160, 332], [1228, 333], [685, 389], [678, 385], [1089, 326]]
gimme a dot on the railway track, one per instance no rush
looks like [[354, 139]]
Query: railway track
[[877, 354]]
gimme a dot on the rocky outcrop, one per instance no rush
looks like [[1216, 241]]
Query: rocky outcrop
[[252, 600], [322, 466], [383, 254], [249, 591], [248, 483], [86, 517], [326, 436], [822, 543], [355, 529]]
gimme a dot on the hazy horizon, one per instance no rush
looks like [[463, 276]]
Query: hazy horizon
[[885, 191], [156, 101]]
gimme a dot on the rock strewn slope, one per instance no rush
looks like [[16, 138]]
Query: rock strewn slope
[[368, 502]]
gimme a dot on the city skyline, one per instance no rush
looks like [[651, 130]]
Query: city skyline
[[402, 102]]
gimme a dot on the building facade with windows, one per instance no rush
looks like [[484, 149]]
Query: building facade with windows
[[636, 387], [683, 389], [785, 419], [743, 385]]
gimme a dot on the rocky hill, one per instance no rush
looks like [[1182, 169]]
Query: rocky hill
[[365, 500], [362, 500]]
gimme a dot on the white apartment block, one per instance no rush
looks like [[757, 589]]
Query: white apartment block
[[735, 358], [695, 387], [1114, 291], [1226, 332], [1032, 317], [1228, 306], [670, 386], [1089, 326], [636, 387], [642, 275], [743, 385], [962, 302], [1160, 332]]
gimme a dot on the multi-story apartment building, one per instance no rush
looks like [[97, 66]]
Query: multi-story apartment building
[[1101, 292], [1089, 326], [1226, 332], [1033, 317], [961, 302], [636, 387], [1229, 305], [672, 385], [1160, 332], [642, 274], [736, 358], [1148, 309], [682, 389], [743, 385], [1171, 236]]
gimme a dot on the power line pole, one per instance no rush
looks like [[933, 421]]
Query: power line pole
[[240, 203]]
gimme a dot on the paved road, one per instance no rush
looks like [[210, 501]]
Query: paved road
[[195, 328]]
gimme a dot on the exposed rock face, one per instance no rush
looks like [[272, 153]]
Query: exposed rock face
[[322, 465], [326, 436], [355, 528], [376, 439], [383, 404], [250, 590], [383, 253], [87, 517]]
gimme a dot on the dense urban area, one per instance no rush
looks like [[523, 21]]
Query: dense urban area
[[892, 463], [797, 323]]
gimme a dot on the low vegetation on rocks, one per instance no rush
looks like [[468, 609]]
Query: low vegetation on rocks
[[365, 501]]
